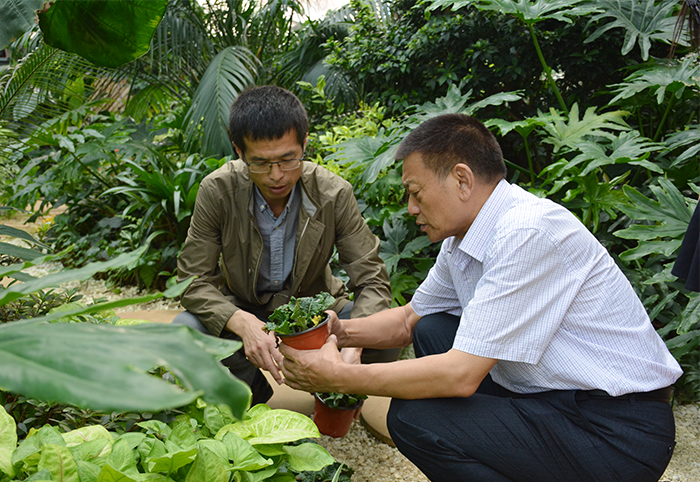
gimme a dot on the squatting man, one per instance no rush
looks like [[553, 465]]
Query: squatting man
[[535, 359]]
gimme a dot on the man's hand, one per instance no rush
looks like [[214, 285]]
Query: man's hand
[[260, 347], [337, 328], [312, 370]]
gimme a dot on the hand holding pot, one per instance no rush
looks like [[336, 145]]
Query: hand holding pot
[[260, 347], [337, 328], [312, 370]]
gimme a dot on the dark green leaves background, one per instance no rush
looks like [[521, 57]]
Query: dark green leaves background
[[108, 34]]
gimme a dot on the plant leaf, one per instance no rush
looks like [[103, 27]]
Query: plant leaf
[[59, 461], [8, 442], [526, 10], [230, 72], [307, 457], [107, 33], [643, 21], [18, 17], [568, 133], [110, 371]]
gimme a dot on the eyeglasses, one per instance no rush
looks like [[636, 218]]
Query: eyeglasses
[[264, 167]]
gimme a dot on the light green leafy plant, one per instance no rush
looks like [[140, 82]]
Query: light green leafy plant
[[299, 314], [205, 443]]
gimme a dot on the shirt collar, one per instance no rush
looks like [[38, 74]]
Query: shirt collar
[[474, 242], [262, 205]]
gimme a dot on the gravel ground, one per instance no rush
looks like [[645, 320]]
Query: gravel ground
[[373, 460]]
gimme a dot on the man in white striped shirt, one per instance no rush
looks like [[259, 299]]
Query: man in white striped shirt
[[535, 360]]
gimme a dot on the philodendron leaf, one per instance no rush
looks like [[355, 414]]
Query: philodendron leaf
[[308, 457], [108, 33], [207, 467], [109, 371], [87, 471], [85, 434], [110, 474], [171, 461], [8, 442], [280, 426], [244, 455], [59, 461]]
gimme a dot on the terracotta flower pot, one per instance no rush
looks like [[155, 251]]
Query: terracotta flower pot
[[334, 422], [311, 339]]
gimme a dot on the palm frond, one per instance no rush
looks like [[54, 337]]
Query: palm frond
[[45, 84], [232, 70]]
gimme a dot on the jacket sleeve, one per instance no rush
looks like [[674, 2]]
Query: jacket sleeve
[[358, 252], [200, 257]]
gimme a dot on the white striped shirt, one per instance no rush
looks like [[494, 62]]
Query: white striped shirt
[[537, 291]]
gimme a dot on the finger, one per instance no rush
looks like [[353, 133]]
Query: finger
[[270, 365]]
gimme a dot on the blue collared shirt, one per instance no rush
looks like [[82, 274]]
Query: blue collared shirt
[[279, 237]]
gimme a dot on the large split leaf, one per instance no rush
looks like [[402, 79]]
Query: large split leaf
[[569, 132], [669, 217], [108, 33], [642, 20], [526, 10], [105, 367]]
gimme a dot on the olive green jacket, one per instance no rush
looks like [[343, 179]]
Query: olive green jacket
[[224, 248]]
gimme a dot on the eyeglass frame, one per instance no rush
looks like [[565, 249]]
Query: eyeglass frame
[[271, 163]]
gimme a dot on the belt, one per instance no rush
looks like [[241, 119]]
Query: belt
[[660, 395]]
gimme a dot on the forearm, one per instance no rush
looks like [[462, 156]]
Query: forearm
[[451, 374], [427, 377], [388, 329]]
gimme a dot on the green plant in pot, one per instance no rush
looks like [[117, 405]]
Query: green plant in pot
[[335, 412], [302, 323]]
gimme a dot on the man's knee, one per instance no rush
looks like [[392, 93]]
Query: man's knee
[[434, 334], [188, 319]]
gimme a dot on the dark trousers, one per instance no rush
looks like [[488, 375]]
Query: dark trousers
[[497, 435]]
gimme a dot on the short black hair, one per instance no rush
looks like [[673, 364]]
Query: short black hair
[[266, 112], [449, 139]]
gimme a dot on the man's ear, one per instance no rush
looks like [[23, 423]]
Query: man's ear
[[465, 178], [238, 151]]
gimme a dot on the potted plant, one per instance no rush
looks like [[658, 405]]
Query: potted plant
[[335, 412], [302, 323]]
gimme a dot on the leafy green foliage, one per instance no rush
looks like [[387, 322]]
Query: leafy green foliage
[[525, 10], [340, 400], [670, 215], [230, 72], [121, 28], [642, 21], [299, 314], [18, 17], [203, 442]]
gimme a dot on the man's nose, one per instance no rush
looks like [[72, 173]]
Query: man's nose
[[413, 208], [276, 171]]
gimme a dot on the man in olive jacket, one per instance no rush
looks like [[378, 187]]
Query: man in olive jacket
[[264, 228]]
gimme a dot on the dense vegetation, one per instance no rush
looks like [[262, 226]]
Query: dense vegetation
[[591, 106]]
